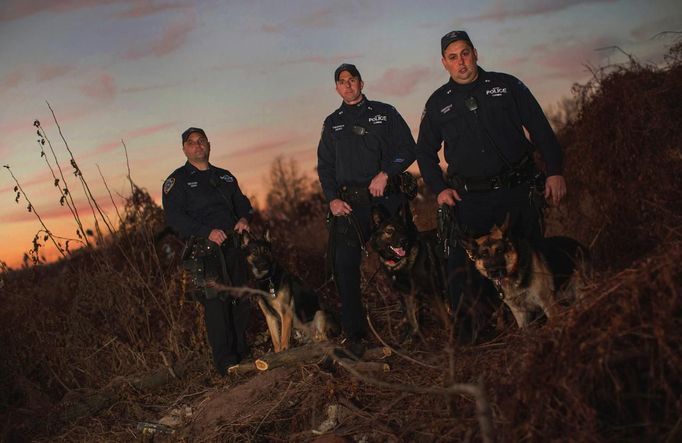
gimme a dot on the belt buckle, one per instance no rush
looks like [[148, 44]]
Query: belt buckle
[[496, 183]]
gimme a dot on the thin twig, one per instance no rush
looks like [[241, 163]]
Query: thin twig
[[31, 208], [65, 190], [406, 357], [483, 411], [273, 408], [91, 199]]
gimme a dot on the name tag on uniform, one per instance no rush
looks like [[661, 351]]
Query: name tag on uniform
[[337, 128], [377, 119], [496, 91], [227, 178], [192, 184]]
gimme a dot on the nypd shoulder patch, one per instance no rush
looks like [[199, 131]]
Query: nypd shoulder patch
[[168, 185]]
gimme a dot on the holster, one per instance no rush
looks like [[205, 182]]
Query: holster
[[524, 171], [444, 218], [204, 262], [355, 195], [403, 183]]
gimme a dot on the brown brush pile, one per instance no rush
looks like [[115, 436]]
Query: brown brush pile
[[623, 161], [98, 343]]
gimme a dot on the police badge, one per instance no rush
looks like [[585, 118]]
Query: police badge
[[168, 185]]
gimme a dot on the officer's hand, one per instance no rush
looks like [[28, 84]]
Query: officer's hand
[[378, 184], [555, 189], [339, 207], [242, 225], [448, 197], [217, 236]]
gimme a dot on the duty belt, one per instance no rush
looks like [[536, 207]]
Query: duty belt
[[358, 195], [524, 172], [403, 183]]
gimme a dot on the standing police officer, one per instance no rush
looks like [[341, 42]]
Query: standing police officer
[[204, 202], [481, 117], [363, 144]]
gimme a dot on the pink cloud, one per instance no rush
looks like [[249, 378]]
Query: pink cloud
[[50, 71], [142, 8], [102, 87], [12, 80], [130, 135], [15, 9], [145, 88], [321, 59], [400, 81], [260, 147], [173, 37], [503, 10], [264, 146], [318, 19], [568, 61]]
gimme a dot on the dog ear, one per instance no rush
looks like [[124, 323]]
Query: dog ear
[[505, 225], [379, 214]]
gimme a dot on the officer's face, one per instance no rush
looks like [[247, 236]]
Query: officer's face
[[196, 148], [459, 59], [349, 88]]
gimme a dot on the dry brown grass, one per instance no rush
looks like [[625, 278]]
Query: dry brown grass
[[607, 369]]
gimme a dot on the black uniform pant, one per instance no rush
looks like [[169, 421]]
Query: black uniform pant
[[472, 294], [350, 232], [227, 317]]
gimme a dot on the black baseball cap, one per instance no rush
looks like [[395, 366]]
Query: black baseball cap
[[347, 67], [189, 131], [453, 36]]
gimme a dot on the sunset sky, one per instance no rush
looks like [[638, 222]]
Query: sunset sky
[[258, 77]]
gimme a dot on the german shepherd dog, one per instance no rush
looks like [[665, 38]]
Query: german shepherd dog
[[289, 305], [530, 278], [410, 259]]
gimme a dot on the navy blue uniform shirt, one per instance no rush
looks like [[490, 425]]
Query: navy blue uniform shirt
[[196, 202], [504, 107], [360, 140]]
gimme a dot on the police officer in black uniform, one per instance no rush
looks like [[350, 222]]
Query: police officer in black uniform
[[480, 118], [364, 144], [204, 202]]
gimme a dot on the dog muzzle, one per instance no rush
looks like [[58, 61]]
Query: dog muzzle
[[398, 253]]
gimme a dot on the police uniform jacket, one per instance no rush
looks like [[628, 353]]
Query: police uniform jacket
[[196, 202], [473, 120], [360, 140]]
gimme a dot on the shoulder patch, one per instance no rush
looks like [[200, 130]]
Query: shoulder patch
[[168, 184]]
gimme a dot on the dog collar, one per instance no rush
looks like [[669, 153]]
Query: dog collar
[[271, 285]]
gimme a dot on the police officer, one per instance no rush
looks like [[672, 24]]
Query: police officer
[[205, 202], [480, 117], [363, 145]]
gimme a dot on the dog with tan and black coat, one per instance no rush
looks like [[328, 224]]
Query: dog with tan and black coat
[[411, 260], [285, 301], [530, 277]]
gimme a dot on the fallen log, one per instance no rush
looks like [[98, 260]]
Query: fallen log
[[244, 367], [310, 353], [305, 353], [78, 406]]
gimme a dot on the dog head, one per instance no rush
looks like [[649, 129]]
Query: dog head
[[393, 238], [258, 254], [494, 254]]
